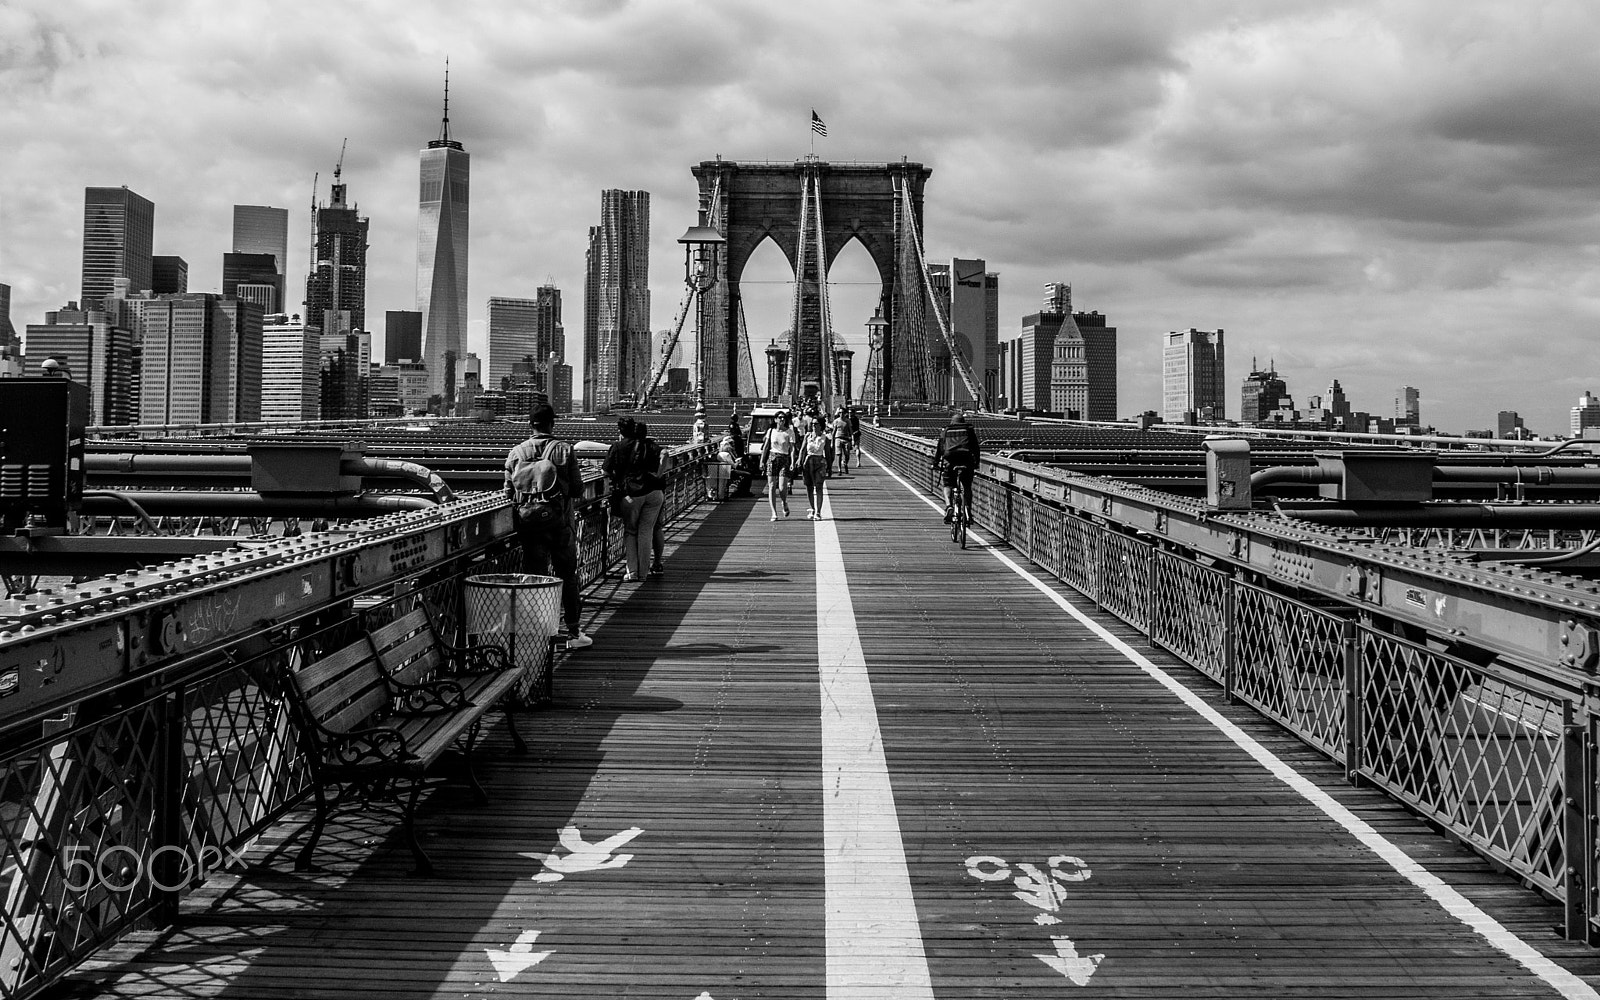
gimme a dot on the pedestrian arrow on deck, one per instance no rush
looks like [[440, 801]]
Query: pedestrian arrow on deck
[[1069, 963], [518, 958], [581, 855]]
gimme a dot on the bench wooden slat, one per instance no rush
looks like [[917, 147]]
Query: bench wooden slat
[[411, 621], [412, 660]]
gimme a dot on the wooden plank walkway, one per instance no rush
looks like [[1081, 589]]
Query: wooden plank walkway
[[1067, 825]]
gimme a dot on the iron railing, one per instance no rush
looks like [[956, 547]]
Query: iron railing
[[1485, 750], [113, 812]]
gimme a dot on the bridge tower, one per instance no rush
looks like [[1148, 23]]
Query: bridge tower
[[812, 209]]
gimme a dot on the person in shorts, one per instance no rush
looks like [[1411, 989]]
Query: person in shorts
[[777, 463]]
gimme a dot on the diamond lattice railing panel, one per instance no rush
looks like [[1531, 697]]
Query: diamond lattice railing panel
[[242, 754], [1288, 662], [1080, 554], [1190, 613], [1046, 542], [1125, 577], [1474, 752], [79, 820]]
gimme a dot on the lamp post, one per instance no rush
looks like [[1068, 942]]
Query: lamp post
[[700, 273], [876, 343]]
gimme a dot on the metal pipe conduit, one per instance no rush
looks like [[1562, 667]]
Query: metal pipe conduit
[[241, 465], [1450, 515], [1293, 474], [191, 502]]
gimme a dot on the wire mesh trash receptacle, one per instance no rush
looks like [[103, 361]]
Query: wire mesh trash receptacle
[[520, 612]]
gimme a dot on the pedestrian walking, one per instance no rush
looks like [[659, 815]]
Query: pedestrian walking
[[843, 444], [542, 478], [632, 467], [814, 453], [777, 462]]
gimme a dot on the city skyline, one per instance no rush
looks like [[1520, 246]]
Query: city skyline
[[1374, 193]]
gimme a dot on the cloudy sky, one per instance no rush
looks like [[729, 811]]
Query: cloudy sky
[[1384, 193]]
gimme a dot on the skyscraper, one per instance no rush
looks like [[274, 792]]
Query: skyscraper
[[264, 229], [252, 277], [201, 360], [442, 251], [552, 334], [1260, 394], [513, 335], [402, 336], [8, 332], [1408, 406], [289, 382], [118, 240], [168, 275], [1192, 377], [1083, 367], [616, 345], [336, 289], [97, 352], [971, 299]]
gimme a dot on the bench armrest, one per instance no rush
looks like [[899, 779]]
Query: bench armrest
[[377, 745], [479, 658], [429, 697]]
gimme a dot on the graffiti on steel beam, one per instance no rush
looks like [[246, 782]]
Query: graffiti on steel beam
[[581, 855]]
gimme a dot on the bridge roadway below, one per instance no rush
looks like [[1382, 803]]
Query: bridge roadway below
[[1053, 809]]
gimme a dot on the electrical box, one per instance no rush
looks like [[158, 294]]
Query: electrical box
[[1227, 473], [42, 426], [303, 469], [1378, 475]]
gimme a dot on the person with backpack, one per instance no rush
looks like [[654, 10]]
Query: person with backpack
[[633, 468], [957, 454], [542, 478], [842, 442]]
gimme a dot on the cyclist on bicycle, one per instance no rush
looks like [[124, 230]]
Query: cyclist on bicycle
[[957, 455]]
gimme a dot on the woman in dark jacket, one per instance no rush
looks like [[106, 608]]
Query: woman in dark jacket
[[633, 468]]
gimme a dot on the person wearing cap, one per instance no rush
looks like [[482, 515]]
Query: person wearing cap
[[552, 549]]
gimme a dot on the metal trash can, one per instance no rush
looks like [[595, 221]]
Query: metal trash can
[[520, 612], [717, 480]]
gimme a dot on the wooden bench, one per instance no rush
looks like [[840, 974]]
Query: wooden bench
[[387, 708]]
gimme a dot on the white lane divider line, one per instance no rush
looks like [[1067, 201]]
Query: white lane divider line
[[874, 941], [1445, 895]]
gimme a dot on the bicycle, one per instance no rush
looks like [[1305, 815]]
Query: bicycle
[[959, 514], [958, 523]]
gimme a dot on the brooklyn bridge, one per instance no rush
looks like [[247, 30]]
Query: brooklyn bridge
[[1186, 717]]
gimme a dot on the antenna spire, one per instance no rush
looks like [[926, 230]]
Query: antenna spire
[[444, 130]]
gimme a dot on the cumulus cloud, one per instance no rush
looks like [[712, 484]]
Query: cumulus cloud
[[1384, 193]]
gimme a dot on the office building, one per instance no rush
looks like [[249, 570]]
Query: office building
[[1408, 406], [259, 229], [252, 277], [1192, 377], [97, 352], [8, 331], [1083, 368], [200, 360], [118, 241], [1586, 416], [1508, 425], [513, 335], [552, 337], [658, 347], [336, 288], [442, 253], [1261, 393], [616, 334], [344, 363], [969, 297], [289, 374], [402, 336], [168, 275]]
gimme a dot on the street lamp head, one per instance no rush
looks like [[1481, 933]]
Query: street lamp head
[[701, 236]]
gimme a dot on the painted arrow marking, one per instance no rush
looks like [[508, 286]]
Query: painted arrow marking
[[581, 855], [1069, 963], [517, 959]]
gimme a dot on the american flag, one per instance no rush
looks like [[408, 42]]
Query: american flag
[[817, 124]]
